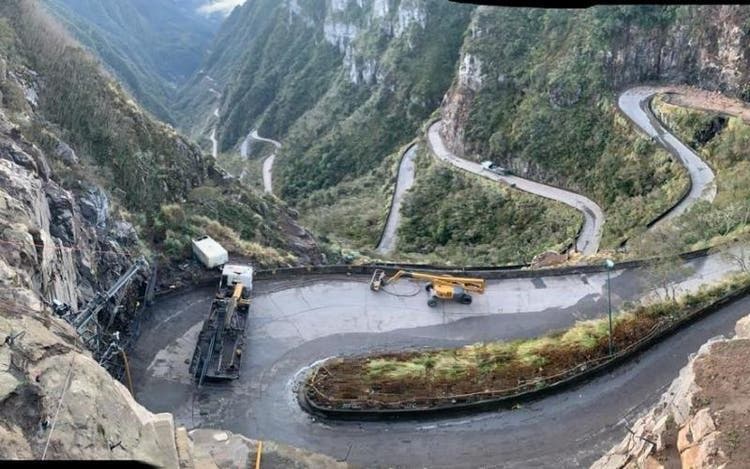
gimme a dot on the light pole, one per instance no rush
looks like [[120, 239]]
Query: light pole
[[609, 265]]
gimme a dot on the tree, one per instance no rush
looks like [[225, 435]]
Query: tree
[[667, 267]]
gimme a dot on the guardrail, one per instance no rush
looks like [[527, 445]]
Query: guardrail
[[473, 403], [406, 148], [486, 272]]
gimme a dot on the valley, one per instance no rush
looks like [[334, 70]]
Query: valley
[[541, 212]]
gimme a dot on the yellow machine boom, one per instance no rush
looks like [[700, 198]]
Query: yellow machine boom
[[443, 287]]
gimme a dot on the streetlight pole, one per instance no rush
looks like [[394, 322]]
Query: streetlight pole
[[609, 265]]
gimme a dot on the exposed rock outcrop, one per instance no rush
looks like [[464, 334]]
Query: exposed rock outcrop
[[56, 401], [701, 420]]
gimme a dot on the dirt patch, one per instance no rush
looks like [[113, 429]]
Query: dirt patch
[[725, 388], [711, 101]]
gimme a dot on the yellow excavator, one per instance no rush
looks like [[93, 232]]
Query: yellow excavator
[[439, 287]]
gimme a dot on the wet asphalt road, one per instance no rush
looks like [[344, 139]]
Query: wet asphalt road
[[593, 217], [635, 104], [294, 323], [404, 181], [267, 162]]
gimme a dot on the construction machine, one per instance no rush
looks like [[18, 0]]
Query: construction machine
[[439, 287]]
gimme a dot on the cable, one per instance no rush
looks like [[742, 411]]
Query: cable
[[402, 295], [59, 405]]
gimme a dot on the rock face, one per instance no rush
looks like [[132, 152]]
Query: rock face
[[701, 421], [705, 46], [56, 402]]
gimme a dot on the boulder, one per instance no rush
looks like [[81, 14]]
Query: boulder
[[547, 259], [123, 232], [65, 153], [94, 205]]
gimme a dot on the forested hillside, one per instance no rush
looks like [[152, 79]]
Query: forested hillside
[[171, 190], [153, 46], [537, 91], [345, 84]]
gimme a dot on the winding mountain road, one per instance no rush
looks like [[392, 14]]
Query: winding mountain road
[[214, 142], [635, 103], [267, 162], [404, 181], [591, 232]]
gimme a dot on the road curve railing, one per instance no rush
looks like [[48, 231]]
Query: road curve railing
[[404, 182], [635, 104]]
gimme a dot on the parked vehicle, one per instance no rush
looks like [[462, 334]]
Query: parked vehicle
[[492, 167]]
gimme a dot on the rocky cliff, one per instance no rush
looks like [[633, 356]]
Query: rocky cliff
[[701, 420], [57, 403], [536, 90], [68, 232]]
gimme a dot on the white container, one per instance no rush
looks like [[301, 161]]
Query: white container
[[209, 252]]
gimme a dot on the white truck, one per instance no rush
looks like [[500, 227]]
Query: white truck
[[209, 252]]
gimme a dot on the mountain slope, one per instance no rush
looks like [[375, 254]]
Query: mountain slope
[[344, 84], [58, 94], [153, 46], [537, 90], [333, 77]]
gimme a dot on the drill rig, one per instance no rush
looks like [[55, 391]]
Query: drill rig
[[218, 353], [439, 287]]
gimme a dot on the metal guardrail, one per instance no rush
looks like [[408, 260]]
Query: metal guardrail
[[684, 193]]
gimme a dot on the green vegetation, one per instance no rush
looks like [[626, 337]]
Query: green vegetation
[[493, 369], [142, 164], [453, 217], [177, 228], [348, 133], [352, 214], [552, 112], [248, 170], [153, 46], [285, 75], [274, 67], [723, 143]]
